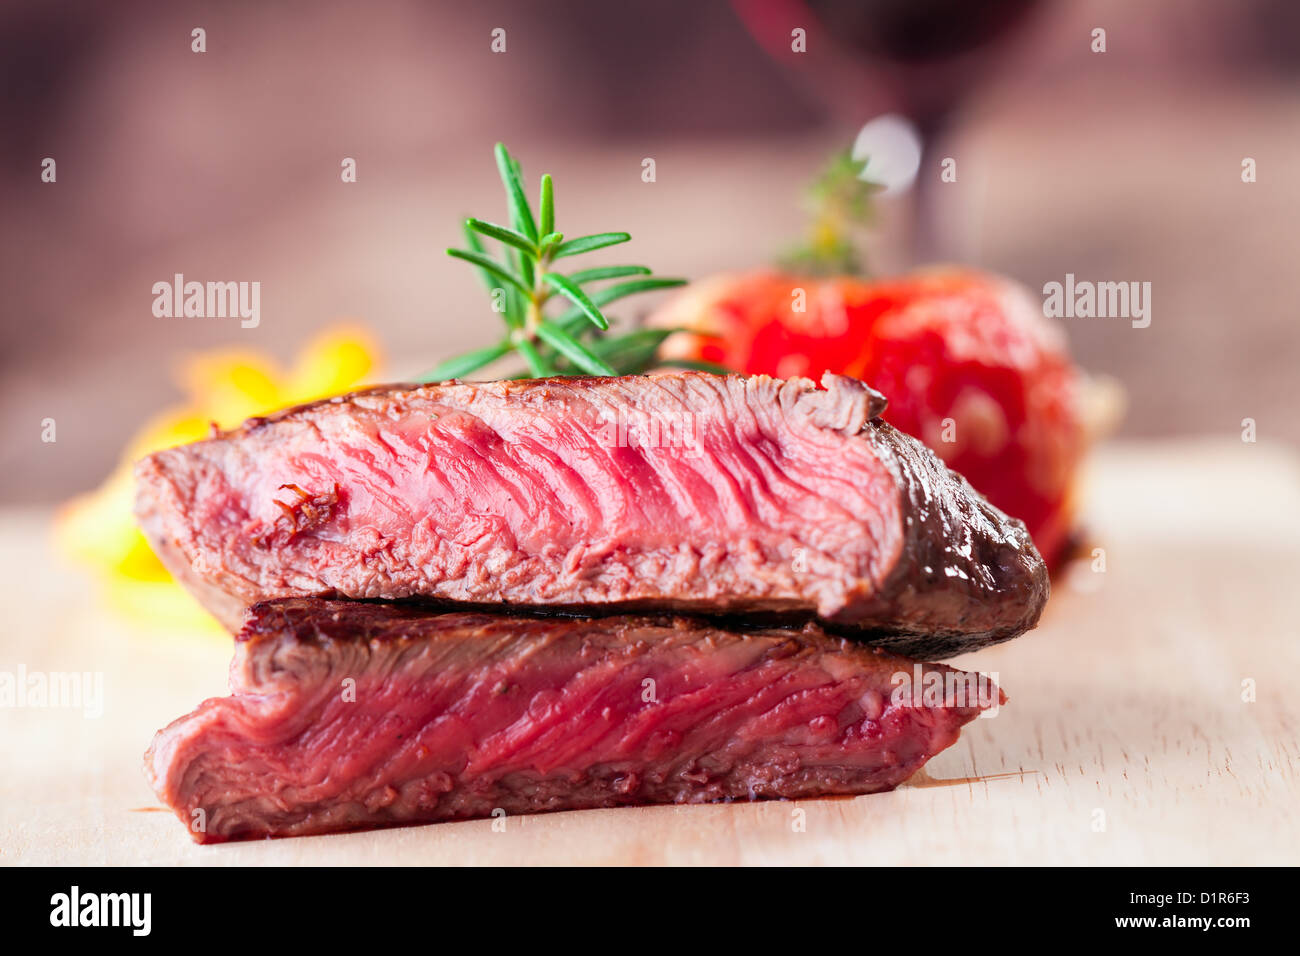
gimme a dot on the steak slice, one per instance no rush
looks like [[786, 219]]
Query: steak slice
[[348, 715], [687, 492]]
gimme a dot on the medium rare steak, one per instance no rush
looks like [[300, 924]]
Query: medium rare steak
[[689, 492], [347, 715]]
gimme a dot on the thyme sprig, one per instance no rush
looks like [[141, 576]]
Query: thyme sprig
[[840, 206], [523, 281]]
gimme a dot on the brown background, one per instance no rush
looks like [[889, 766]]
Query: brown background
[[225, 166]]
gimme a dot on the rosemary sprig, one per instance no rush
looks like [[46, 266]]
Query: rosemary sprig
[[522, 281]]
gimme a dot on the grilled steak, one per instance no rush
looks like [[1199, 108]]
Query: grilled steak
[[688, 492], [348, 715]]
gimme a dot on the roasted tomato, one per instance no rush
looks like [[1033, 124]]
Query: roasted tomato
[[967, 360]]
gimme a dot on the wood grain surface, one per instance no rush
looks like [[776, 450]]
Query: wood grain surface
[[1125, 740]]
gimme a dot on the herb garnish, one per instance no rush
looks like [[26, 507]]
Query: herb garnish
[[840, 204], [522, 282]]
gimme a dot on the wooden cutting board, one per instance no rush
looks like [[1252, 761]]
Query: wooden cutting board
[[1126, 739]]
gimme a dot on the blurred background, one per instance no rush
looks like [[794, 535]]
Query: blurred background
[[226, 166], [1122, 166]]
